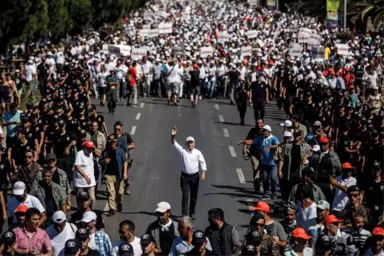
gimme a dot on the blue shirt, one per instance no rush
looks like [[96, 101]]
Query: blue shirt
[[266, 156], [11, 117]]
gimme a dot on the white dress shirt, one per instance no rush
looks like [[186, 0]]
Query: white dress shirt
[[191, 160]]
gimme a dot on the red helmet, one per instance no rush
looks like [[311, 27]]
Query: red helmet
[[89, 144]]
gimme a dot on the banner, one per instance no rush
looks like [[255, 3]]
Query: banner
[[246, 51], [295, 50], [144, 32], [165, 28], [313, 42], [342, 49], [178, 50], [206, 51], [251, 34], [153, 33], [304, 38], [223, 37], [333, 10], [138, 53], [253, 2], [119, 49]]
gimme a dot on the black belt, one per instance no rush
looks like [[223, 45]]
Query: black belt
[[189, 175]]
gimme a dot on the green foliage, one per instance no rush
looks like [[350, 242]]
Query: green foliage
[[24, 21]]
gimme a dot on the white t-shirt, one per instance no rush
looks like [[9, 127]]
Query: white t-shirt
[[86, 164], [58, 239], [135, 245], [29, 71], [306, 217], [341, 198], [92, 243], [101, 77], [30, 202]]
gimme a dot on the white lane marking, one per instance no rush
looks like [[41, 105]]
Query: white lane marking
[[221, 119], [241, 175], [250, 207], [232, 151], [106, 207], [226, 134], [217, 107], [142, 105], [138, 116], [133, 130]]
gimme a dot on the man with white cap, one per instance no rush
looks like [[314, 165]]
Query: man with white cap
[[99, 240], [164, 229], [59, 232], [268, 145], [189, 180]]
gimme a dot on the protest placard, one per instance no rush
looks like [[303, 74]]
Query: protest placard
[[153, 33], [206, 51], [342, 49], [143, 32], [304, 37], [246, 51], [138, 53], [251, 34], [178, 50], [224, 36], [165, 28], [295, 50]]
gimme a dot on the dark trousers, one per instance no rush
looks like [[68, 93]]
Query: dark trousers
[[242, 110], [65, 164], [111, 100], [189, 186], [259, 109]]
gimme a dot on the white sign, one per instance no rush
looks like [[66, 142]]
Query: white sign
[[304, 38], [147, 26], [224, 37], [138, 53], [295, 50], [143, 32], [342, 49], [165, 28], [125, 50], [316, 36], [312, 42], [206, 51], [251, 34], [305, 30], [153, 33], [253, 2], [246, 51]]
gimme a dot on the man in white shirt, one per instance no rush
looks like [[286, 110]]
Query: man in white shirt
[[127, 235], [340, 185], [83, 171], [30, 72], [189, 180], [20, 197], [147, 68], [59, 232]]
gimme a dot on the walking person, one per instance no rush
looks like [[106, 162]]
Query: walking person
[[112, 82], [116, 172], [260, 96], [189, 179], [241, 101]]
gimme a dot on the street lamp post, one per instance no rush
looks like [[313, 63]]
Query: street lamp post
[[345, 15]]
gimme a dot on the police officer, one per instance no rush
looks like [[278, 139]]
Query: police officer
[[241, 100], [260, 96], [112, 96]]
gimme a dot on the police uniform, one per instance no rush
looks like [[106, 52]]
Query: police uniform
[[241, 100]]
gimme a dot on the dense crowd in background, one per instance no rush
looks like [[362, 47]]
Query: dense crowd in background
[[328, 166]]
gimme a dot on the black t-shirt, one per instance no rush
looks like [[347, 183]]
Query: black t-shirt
[[5, 168], [309, 110], [290, 88], [194, 77], [295, 162], [72, 125], [78, 215], [298, 105], [83, 123], [375, 193], [61, 142], [166, 239], [259, 90], [37, 129], [92, 252], [43, 71], [242, 97], [112, 167], [19, 150], [56, 177], [234, 76], [50, 206], [343, 143], [253, 133]]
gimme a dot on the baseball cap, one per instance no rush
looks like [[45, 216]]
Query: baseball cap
[[145, 240], [316, 148], [51, 156], [190, 138], [317, 123], [84, 196], [19, 188], [347, 165], [322, 204], [82, 234], [354, 188], [267, 127], [378, 231], [59, 217], [22, 208], [288, 134], [287, 123], [300, 233], [198, 238], [8, 237], [325, 242], [323, 139], [331, 219], [261, 206], [162, 207], [254, 238], [125, 250], [71, 247], [88, 217]]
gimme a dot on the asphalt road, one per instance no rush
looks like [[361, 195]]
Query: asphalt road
[[156, 168]]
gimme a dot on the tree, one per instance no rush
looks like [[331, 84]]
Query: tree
[[80, 12], [109, 11], [59, 20]]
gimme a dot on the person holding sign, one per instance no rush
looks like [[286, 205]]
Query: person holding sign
[[111, 81]]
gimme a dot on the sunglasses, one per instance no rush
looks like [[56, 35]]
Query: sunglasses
[[259, 225], [28, 157], [354, 195]]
